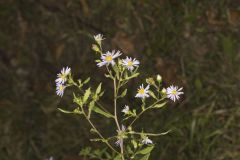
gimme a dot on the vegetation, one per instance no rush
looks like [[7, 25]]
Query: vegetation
[[190, 43]]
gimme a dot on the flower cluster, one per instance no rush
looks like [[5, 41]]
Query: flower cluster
[[120, 71], [61, 79]]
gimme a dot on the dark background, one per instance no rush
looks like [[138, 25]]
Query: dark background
[[191, 43]]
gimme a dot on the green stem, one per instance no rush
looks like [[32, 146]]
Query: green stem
[[115, 104], [150, 134], [99, 134], [116, 87], [150, 107]]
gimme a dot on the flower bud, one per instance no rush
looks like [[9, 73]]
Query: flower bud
[[98, 38], [150, 81], [159, 78], [164, 91], [95, 48]]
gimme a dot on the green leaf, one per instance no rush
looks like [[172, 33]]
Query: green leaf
[[107, 76], [98, 140], [134, 144], [99, 88], [146, 150], [64, 111], [87, 80], [145, 157], [85, 151], [77, 100], [132, 76], [86, 95], [160, 105], [118, 157], [152, 94], [76, 111], [90, 107], [100, 111], [123, 93], [115, 68]]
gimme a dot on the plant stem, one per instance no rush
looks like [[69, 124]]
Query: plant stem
[[115, 112], [151, 134], [150, 107], [99, 134], [115, 104]]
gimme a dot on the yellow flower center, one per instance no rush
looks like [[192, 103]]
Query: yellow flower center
[[174, 92], [61, 88], [108, 58], [130, 63], [63, 76], [141, 91]]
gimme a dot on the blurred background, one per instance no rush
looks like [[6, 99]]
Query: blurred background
[[194, 44]]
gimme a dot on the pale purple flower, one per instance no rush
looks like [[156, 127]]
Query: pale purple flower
[[173, 92]]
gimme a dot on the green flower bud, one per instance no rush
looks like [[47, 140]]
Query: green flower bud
[[150, 81], [95, 48], [164, 91]]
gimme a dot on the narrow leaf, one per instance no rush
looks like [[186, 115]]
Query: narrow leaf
[[90, 107], [99, 88], [124, 93], [87, 80], [100, 111], [160, 105], [86, 95], [152, 94], [146, 150], [132, 76], [64, 111], [145, 157]]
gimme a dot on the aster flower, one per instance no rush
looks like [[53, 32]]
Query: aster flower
[[130, 63], [126, 109], [121, 136], [173, 92], [146, 140], [142, 92], [60, 89], [62, 77], [98, 38], [108, 58]]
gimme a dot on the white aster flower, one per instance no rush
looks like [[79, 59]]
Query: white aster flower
[[121, 136], [130, 63], [98, 38], [126, 109], [146, 140], [108, 58], [119, 142], [62, 77], [173, 92], [60, 89], [142, 92]]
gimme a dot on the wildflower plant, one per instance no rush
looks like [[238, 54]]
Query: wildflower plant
[[126, 143]]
